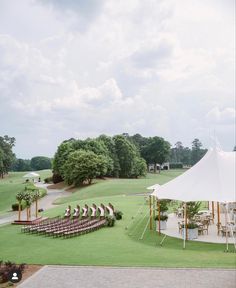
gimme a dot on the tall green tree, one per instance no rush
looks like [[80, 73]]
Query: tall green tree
[[197, 152], [83, 166], [7, 156], [130, 162], [21, 165], [111, 148], [40, 163], [62, 154], [156, 151]]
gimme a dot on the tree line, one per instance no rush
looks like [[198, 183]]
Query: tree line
[[124, 156], [79, 161], [35, 163]]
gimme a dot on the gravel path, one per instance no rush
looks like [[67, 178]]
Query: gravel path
[[108, 277], [46, 203]]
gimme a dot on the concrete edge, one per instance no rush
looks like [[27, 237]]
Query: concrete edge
[[137, 268], [32, 276]]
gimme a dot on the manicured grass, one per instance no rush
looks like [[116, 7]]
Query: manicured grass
[[112, 246], [120, 186], [116, 246], [11, 185]]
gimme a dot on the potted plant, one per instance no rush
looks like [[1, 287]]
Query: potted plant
[[192, 228], [163, 222], [163, 204]]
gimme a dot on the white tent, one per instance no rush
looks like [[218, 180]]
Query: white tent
[[211, 179], [31, 175]]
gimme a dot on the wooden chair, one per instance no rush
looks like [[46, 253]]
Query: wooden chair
[[67, 212], [76, 212], [85, 210]]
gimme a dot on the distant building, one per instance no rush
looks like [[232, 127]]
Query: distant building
[[164, 166]]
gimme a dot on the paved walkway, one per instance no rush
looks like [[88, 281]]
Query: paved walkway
[[108, 277], [46, 203]]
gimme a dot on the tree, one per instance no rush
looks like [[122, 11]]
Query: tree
[[126, 153], [21, 165], [61, 156], [111, 149], [197, 153], [6, 154], [156, 151], [40, 163], [139, 167], [83, 166]]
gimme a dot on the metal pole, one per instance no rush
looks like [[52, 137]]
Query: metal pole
[[213, 210], [185, 225], [226, 230], [159, 217], [218, 218], [150, 208]]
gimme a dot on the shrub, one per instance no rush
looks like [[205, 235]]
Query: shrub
[[110, 221], [56, 178], [162, 218], [190, 225], [7, 267], [48, 180], [176, 165], [118, 214], [15, 206], [42, 192]]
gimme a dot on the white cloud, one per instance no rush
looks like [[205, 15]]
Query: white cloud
[[154, 67], [222, 117]]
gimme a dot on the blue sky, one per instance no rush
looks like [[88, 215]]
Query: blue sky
[[83, 68]]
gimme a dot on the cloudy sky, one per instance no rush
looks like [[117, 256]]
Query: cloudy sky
[[76, 68]]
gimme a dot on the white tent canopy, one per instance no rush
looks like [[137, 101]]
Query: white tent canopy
[[31, 175], [211, 179]]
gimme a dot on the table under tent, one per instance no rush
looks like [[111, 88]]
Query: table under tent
[[212, 179]]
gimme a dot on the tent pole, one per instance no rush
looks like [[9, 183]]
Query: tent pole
[[213, 210], [150, 208], [218, 218], [159, 216], [186, 221], [185, 225], [153, 209], [226, 230]]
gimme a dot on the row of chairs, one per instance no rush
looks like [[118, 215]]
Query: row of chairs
[[84, 212], [65, 227]]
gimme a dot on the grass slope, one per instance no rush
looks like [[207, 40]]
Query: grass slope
[[11, 185], [120, 186]]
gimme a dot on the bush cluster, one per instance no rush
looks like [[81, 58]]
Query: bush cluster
[[6, 267]]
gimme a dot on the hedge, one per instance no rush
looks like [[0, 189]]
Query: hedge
[[15, 206], [176, 165]]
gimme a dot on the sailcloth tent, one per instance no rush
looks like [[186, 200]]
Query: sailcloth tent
[[211, 179]]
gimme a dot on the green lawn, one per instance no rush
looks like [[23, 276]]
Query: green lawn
[[120, 186], [111, 246], [116, 246], [11, 185]]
